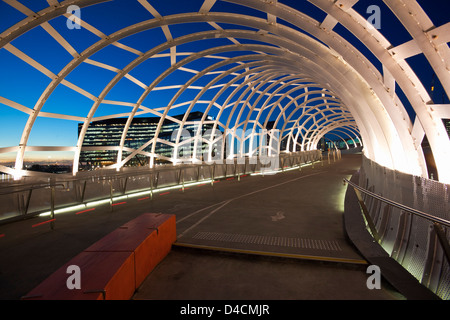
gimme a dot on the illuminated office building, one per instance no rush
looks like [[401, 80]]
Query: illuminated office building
[[106, 135]]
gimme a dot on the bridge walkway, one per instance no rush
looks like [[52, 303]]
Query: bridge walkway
[[258, 237], [265, 237]]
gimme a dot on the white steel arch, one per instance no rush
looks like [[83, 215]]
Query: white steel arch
[[285, 73]]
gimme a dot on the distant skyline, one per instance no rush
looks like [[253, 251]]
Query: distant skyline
[[39, 158]]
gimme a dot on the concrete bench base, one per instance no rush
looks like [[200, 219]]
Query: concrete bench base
[[116, 265]]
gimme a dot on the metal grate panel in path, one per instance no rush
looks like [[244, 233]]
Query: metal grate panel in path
[[330, 245]]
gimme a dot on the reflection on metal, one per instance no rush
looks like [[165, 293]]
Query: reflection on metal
[[411, 215], [282, 65]]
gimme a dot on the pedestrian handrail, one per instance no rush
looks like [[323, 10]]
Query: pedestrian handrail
[[437, 222], [400, 206], [25, 200], [5, 191]]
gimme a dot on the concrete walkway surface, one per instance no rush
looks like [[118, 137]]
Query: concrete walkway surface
[[275, 237]]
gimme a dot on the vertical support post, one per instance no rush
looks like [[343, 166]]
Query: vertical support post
[[84, 191], [238, 172], [52, 207], [182, 179], [262, 170], [151, 186], [157, 180], [111, 195], [125, 185], [440, 232], [179, 176], [226, 168], [27, 205], [20, 204], [367, 216]]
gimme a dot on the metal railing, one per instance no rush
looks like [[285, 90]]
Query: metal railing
[[113, 185], [80, 183], [29, 189], [438, 223]]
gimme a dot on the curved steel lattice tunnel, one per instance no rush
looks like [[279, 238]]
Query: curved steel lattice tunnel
[[246, 65]]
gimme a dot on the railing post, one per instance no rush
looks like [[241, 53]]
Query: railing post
[[179, 176], [157, 180], [182, 179], [27, 205], [84, 191], [52, 207], [236, 170], [20, 204], [110, 195], [442, 239], [151, 186], [125, 185], [226, 168], [367, 216]]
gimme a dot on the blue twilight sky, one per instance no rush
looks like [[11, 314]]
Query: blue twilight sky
[[24, 85]]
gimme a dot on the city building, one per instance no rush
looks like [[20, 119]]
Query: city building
[[108, 133]]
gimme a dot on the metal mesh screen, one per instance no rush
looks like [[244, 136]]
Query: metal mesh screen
[[410, 239]]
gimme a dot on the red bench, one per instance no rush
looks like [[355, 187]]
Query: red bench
[[116, 265]]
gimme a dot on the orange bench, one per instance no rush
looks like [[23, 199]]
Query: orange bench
[[149, 236], [116, 265], [104, 276], [163, 224]]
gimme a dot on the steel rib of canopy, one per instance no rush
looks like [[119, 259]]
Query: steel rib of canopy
[[287, 66]]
